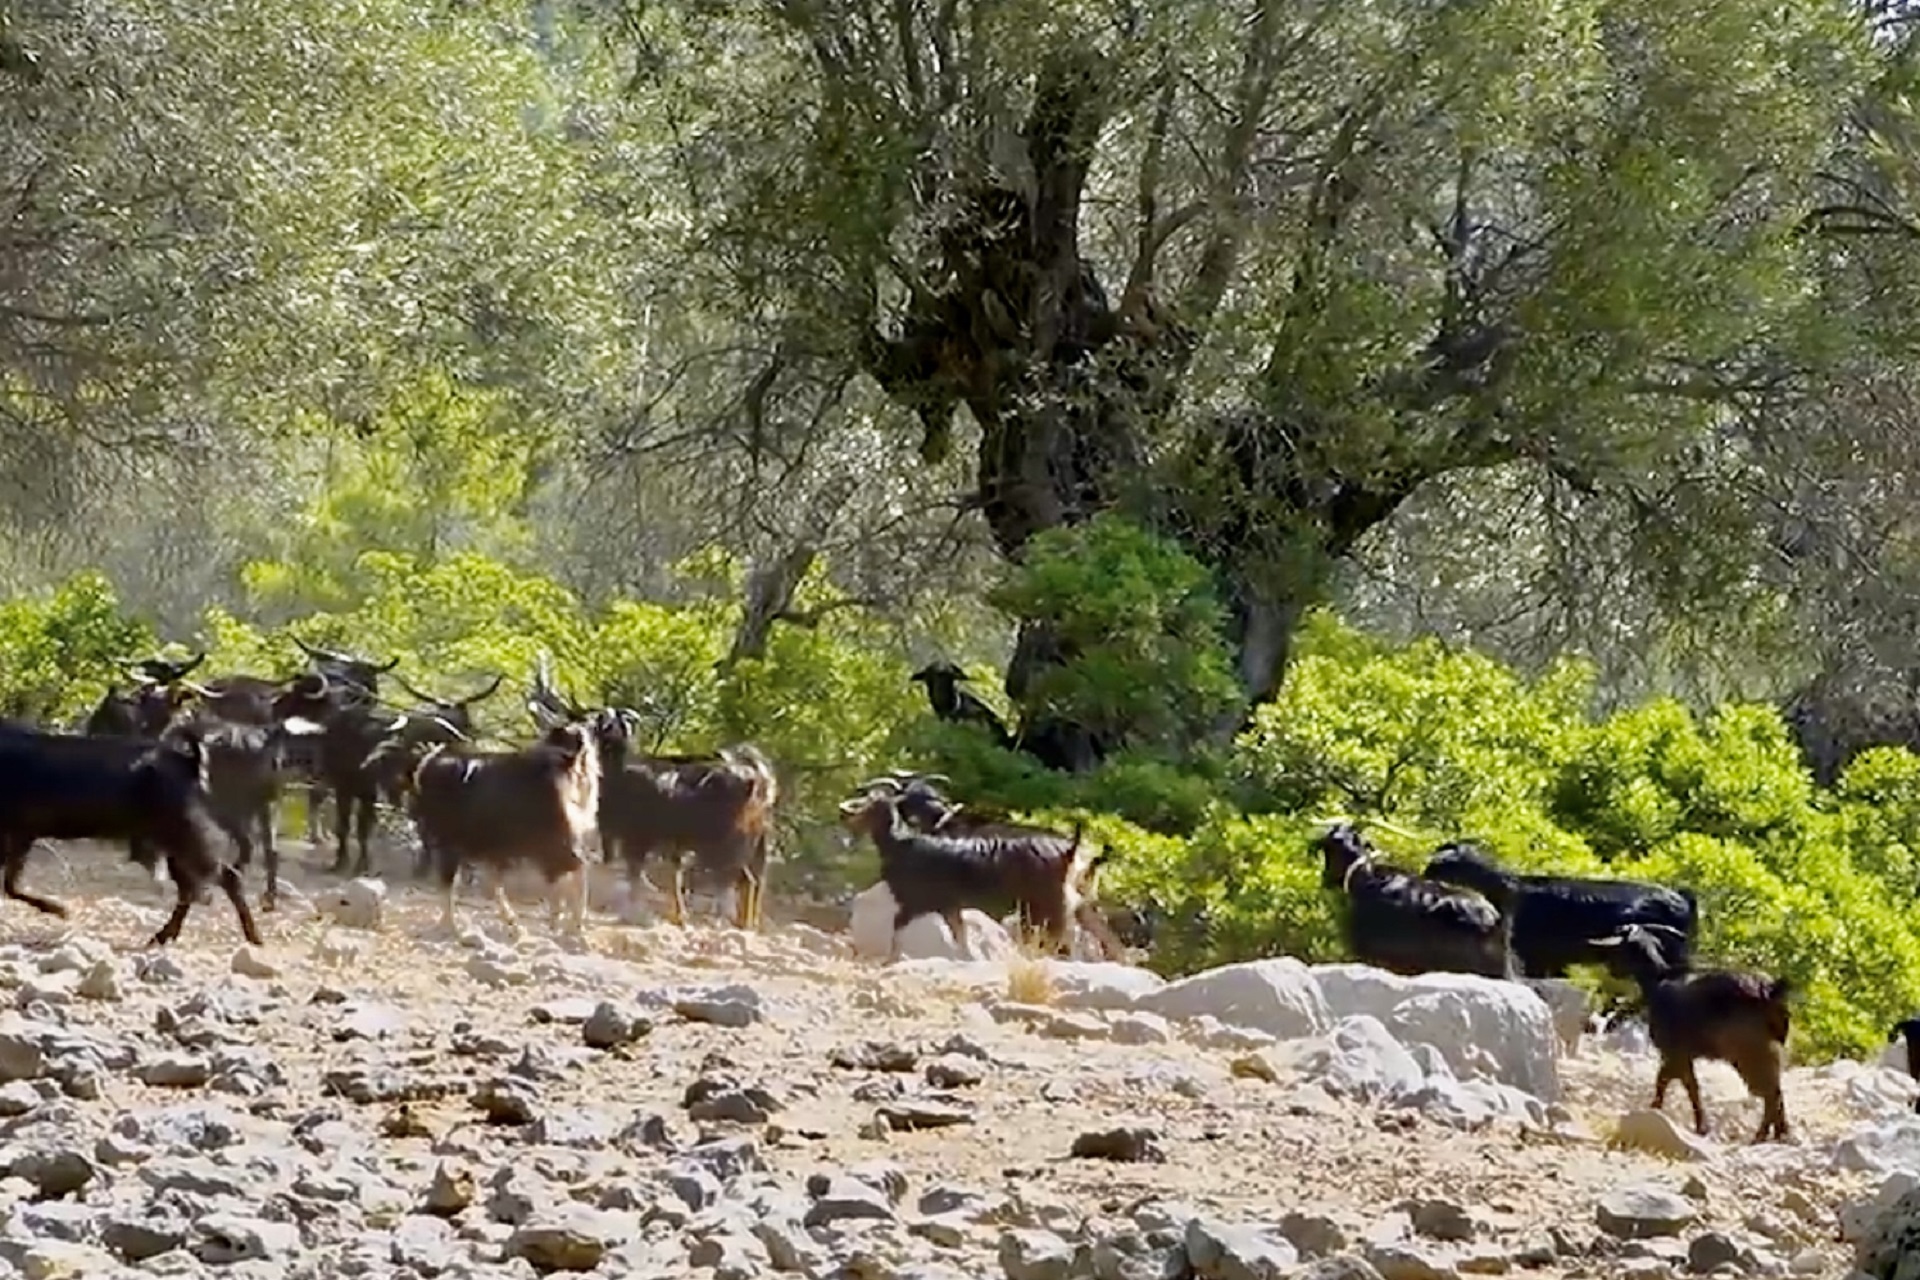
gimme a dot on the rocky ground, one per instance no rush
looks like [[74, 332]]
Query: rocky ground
[[398, 1101]]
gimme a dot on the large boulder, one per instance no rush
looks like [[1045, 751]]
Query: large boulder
[[1358, 1059], [1890, 1249], [1279, 997], [925, 937], [1090, 985], [1881, 1146], [1481, 1026]]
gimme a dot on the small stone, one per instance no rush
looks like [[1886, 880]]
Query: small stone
[[137, 1236], [61, 1260], [251, 962], [1074, 1026], [923, 1113], [1128, 1144], [1260, 1064], [1140, 1028], [53, 1171], [1406, 1261], [176, 1071], [874, 1055], [608, 1028], [1440, 1220], [1655, 1132], [836, 1199], [951, 1071], [489, 972], [1643, 1212], [1219, 1251], [507, 1100], [367, 1020], [1711, 1250], [1315, 1235], [734, 1006], [102, 982], [17, 1098], [736, 1106], [451, 1190], [1035, 1255], [574, 1238], [357, 904], [221, 1239]]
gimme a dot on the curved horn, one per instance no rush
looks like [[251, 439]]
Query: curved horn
[[485, 693], [383, 669], [190, 665], [320, 655], [876, 784], [441, 723], [412, 692]]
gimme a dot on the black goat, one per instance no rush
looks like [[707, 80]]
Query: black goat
[[247, 765], [955, 705], [1559, 921], [1046, 877], [924, 807], [142, 712], [716, 811], [1405, 924], [1737, 1018], [150, 794], [1910, 1030]]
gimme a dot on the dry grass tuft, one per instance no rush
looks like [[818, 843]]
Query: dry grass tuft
[[1029, 981]]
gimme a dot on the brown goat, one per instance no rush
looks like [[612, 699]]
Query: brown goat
[[1740, 1019], [490, 809]]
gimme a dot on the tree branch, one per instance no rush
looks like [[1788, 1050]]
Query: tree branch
[[1147, 203]]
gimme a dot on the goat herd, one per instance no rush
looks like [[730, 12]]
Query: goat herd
[[163, 765]]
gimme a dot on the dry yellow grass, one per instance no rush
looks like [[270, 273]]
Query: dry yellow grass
[[1029, 981]]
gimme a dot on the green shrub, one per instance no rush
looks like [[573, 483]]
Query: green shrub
[[1151, 666], [58, 649]]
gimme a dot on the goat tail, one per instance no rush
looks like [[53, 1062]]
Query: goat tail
[[580, 783], [1693, 905], [766, 783]]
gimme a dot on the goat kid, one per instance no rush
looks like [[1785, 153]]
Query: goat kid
[[1737, 1018]]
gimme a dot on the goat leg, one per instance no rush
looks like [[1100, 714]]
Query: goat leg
[[235, 888], [363, 828], [270, 850], [501, 903], [679, 916], [185, 891], [957, 925], [343, 827], [1692, 1084], [16, 863]]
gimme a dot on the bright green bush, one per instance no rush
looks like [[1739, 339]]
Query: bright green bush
[[1151, 666], [57, 649]]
